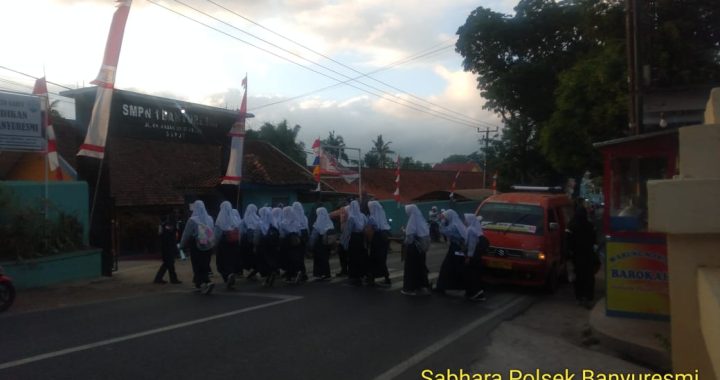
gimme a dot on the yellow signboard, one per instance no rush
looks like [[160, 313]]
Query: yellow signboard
[[637, 280]]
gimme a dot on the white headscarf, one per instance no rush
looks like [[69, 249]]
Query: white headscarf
[[356, 219], [225, 220], [453, 219], [377, 215], [266, 219], [474, 230], [289, 223], [237, 217], [300, 215], [323, 222], [473, 225], [251, 220], [416, 224], [200, 214], [277, 216]]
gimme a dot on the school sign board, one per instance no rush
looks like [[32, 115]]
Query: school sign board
[[637, 279], [21, 123]]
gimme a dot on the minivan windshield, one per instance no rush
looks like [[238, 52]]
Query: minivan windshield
[[512, 217]]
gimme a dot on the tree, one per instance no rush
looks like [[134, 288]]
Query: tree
[[336, 147], [282, 137], [408, 163], [381, 150], [455, 159]]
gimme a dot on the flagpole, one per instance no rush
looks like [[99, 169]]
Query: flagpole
[[46, 164]]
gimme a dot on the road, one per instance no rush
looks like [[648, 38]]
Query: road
[[311, 331]]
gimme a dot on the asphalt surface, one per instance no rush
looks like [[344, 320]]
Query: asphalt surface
[[309, 331]]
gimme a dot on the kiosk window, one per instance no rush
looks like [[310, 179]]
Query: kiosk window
[[628, 203]]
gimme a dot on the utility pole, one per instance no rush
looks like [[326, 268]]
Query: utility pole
[[486, 138], [631, 46]]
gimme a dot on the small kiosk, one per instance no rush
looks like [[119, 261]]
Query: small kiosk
[[636, 259]]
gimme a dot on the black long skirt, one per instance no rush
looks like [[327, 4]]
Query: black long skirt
[[378, 255], [228, 258], [357, 256], [321, 258], [415, 273], [452, 270]]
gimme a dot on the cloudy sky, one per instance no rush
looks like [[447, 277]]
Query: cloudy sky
[[408, 45]]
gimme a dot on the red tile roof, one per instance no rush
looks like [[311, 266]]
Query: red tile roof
[[380, 183]]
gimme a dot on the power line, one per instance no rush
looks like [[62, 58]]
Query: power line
[[34, 77], [342, 64], [28, 86], [386, 67], [447, 116], [430, 112]]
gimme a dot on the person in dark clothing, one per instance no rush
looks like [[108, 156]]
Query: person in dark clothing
[[451, 271], [379, 243], [341, 215], [321, 243], [198, 237], [353, 240], [417, 242], [268, 246], [304, 237], [249, 240], [581, 243], [476, 245], [227, 227], [168, 247]]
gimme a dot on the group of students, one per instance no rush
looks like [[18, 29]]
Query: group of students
[[272, 242]]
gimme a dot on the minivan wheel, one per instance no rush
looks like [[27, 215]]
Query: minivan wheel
[[552, 282]]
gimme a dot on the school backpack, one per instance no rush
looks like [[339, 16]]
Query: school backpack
[[205, 238]]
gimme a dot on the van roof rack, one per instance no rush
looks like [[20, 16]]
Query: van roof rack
[[538, 189]]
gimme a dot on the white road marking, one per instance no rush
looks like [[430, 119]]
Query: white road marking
[[437, 346], [49, 355]]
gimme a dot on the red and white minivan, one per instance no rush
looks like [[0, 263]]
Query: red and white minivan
[[526, 232]]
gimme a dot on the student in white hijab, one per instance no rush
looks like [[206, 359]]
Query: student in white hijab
[[416, 244], [379, 243], [322, 240], [228, 248], [476, 245], [353, 240], [269, 246], [198, 238], [291, 245], [451, 270], [304, 235], [249, 239]]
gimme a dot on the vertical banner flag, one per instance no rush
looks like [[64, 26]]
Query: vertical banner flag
[[316, 162], [396, 194], [233, 175], [51, 151], [94, 145], [452, 189]]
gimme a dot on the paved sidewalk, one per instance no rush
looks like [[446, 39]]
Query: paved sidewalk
[[133, 278]]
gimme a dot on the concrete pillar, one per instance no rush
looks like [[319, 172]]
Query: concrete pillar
[[687, 209]]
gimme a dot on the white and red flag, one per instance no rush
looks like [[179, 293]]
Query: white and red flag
[[233, 174], [454, 184], [51, 152], [396, 194], [94, 145]]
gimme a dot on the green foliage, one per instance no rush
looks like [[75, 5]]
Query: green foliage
[[408, 163], [379, 155], [333, 141], [555, 72], [26, 233], [455, 159], [282, 137]]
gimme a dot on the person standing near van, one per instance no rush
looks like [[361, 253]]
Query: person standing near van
[[581, 243], [476, 244], [416, 242], [451, 270], [199, 238]]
